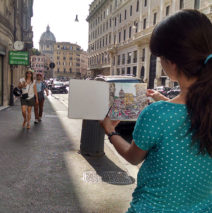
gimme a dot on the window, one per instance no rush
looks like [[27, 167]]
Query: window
[[124, 35], [116, 3], [128, 70], [120, 18], [109, 38], [58, 57], [142, 72], [115, 21], [129, 57], [196, 4], [64, 70], [155, 18], [110, 22], [119, 59], [123, 58], [58, 70], [145, 3], [143, 54], [114, 60], [111, 7], [125, 14], [134, 70], [130, 31], [64, 58], [114, 39], [135, 57], [119, 37], [144, 24], [123, 71], [137, 6], [118, 71], [167, 10], [136, 26], [181, 4], [70, 70], [131, 10]]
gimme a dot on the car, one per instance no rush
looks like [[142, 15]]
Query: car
[[119, 78], [58, 87], [163, 90], [125, 128], [173, 92]]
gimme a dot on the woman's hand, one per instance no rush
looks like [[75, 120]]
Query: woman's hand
[[37, 102], [156, 95], [109, 125]]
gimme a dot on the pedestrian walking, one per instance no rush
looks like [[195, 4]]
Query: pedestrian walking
[[174, 137], [29, 96], [41, 87]]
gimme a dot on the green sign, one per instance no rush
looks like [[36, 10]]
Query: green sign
[[18, 58]]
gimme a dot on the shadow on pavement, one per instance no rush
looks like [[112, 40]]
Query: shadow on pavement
[[34, 177], [109, 171]]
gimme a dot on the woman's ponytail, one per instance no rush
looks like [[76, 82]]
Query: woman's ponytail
[[199, 105]]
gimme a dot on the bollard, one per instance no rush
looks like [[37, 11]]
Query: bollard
[[92, 138]]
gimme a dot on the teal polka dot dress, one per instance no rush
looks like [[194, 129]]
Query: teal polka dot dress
[[173, 178]]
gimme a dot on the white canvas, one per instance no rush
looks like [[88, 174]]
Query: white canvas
[[88, 99]]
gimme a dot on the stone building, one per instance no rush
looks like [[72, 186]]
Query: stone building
[[119, 34], [39, 64], [67, 60], [15, 25], [47, 42], [83, 64]]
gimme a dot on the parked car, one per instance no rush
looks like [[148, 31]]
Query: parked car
[[163, 90], [124, 127], [173, 92], [118, 78], [58, 87]]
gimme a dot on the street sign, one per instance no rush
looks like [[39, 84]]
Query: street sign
[[18, 58]]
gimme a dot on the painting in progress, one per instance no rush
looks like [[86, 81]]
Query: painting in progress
[[127, 100]]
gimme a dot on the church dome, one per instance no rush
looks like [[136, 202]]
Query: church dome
[[47, 36]]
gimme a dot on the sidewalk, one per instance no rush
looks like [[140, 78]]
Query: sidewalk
[[42, 171]]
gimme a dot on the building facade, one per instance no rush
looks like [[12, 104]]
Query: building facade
[[119, 35], [47, 42], [67, 60], [40, 64], [15, 25], [83, 64]]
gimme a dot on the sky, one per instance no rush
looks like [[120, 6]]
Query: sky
[[60, 16], [128, 88]]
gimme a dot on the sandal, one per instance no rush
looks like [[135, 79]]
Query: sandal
[[24, 123], [28, 126]]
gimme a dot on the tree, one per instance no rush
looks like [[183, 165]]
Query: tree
[[35, 51]]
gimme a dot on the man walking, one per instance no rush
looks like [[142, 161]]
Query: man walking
[[41, 86]]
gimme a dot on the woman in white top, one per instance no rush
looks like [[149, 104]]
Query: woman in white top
[[29, 96]]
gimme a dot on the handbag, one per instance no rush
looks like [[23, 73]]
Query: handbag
[[25, 95], [17, 92]]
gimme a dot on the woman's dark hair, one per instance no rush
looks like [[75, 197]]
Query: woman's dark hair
[[186, 40], [31, 75]]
